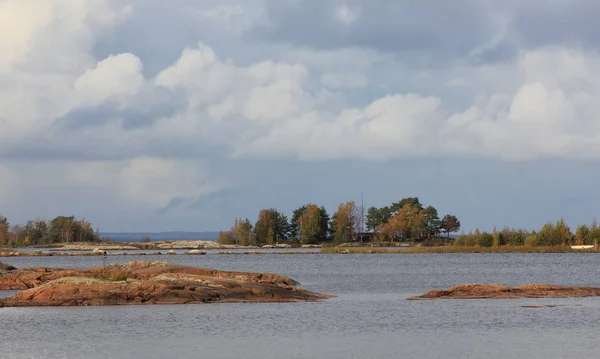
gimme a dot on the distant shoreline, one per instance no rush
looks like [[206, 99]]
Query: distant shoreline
[[168, 248], [457, 250]]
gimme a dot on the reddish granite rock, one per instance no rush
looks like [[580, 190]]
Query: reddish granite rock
[[498, 291], [140, 270], [145, 282]]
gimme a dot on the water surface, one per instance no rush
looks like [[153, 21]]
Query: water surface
[[368, 319]]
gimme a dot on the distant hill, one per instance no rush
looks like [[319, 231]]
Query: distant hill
[[162, 236]]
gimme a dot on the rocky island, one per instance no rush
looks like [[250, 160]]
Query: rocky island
[[498, 291], [146, 282]]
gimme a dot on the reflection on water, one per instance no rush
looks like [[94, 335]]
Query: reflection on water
[[368, 319]]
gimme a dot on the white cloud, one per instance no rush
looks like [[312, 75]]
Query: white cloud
[[44, 47], [548, 112], [114, 78], [393, 126], [263, 92], [53, 34], [277, 109]]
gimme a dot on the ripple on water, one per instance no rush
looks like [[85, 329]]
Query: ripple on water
[[368, 319]]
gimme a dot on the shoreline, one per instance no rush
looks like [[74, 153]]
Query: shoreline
[[100, 251], [159, 245]]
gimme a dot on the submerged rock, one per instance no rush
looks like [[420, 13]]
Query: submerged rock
[[5, 268], [498, 291], [196, 252], [147, 282], [98, 252]]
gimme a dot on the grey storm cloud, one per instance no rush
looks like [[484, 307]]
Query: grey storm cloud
[[158, 104], [160, 30], [544, 22], [431, 30]]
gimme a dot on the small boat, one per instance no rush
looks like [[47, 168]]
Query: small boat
[[582, 247]]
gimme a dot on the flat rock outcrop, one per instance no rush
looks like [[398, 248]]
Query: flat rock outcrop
[[146, 282], [498, 291]]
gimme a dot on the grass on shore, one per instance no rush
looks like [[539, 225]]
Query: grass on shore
[[453, 249]]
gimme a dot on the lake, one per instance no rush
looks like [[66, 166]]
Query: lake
[[370, 318]]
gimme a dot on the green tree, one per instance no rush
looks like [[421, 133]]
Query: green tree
[[412, 201], [282, 227], [271, 227], [432, 221], [377, 216], [37, 231], [324, 232], [60, 229], [295, 222], [554, 234], [450, 224]]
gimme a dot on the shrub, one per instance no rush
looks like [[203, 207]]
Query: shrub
[[485, 239], [459, 242], [113, 273]]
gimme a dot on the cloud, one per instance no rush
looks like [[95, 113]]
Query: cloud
[[157, 181], [144, 181], [261, 93], [548, 112], [9, 183], [344, 80], [35, 35], [141, 101], [41, 55], [392, 26], [115, 78], [346, 14], [221, 13], [432, 32], [274, 109]]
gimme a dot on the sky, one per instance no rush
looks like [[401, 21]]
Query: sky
[[153, 115]]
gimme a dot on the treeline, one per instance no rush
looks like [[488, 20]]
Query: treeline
[[39, 232], [551, 234], [311, 224], [409, 219]]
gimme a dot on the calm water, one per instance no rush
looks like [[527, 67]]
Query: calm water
[[368, 319]]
